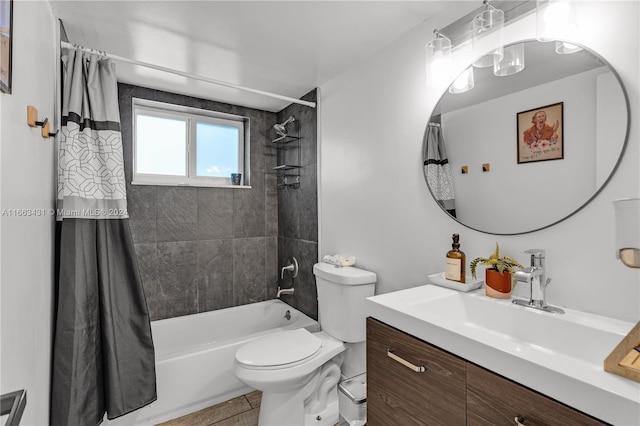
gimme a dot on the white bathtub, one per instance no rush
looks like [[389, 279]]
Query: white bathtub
[[195, 355]]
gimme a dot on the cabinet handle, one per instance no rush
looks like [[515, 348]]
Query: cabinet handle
[[519, 420], [416, 368]]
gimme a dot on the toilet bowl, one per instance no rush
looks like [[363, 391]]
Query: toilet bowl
[[298, 371], [287, 366]]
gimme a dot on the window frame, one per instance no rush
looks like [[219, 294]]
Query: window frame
[[192, 116]]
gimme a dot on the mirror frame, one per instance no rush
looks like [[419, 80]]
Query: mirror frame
[[595, 194]]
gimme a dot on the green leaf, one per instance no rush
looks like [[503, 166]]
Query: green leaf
[[502, 264]]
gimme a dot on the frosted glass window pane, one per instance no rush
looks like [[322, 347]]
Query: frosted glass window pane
[[161, 145], [216, 150]]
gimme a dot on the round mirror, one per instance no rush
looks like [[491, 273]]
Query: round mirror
[[519, 152]]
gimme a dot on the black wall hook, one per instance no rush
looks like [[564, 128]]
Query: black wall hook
[[42, 123], [45, 130]]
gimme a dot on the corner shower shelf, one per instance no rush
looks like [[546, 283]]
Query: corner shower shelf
[[287, 183], [288, 175], [284, 167], [284, 178], [283, 140]]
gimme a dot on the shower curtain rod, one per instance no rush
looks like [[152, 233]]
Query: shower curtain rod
[[186, 74]]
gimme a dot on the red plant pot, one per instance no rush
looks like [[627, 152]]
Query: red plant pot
[[498, 285]]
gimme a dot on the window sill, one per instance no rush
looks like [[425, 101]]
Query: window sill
[[199, 185]]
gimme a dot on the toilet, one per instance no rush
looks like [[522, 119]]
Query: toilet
[[298, 371]]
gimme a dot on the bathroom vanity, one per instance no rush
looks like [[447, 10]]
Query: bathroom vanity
[[437, 356], [451, 390]]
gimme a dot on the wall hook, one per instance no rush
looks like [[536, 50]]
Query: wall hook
[[32, 121], [45, 132], [32, 116]]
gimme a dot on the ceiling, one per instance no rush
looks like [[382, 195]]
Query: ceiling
[[283, 47]]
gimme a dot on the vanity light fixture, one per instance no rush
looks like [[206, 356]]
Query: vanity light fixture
[[488, 22], [555, 20], [463, 83], [482, 28], [438, 59], [512, 62]]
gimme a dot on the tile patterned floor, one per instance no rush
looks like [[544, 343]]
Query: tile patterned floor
[[240, 411]]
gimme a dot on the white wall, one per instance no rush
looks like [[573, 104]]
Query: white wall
[[374, 202], [27, 182], [611, 122]]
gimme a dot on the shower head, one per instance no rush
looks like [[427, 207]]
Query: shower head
[[281, 128]]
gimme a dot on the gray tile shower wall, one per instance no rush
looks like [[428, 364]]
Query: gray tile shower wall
[[298, 210], [201, 249]]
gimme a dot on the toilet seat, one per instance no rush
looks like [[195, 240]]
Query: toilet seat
[[279, 350]]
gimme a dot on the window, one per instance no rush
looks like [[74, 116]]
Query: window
[[176, 145]]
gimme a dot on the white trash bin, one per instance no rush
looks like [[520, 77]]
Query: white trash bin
[[352, 400]]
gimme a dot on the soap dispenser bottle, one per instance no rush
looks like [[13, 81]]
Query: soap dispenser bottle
[[456, 260]]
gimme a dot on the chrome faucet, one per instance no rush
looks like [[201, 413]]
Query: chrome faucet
[[535, 277], [292, 268], [282, 291]]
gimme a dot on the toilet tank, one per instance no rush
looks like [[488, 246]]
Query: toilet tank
[[341, 300]]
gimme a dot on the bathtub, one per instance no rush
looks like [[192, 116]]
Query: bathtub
[[195, 356]]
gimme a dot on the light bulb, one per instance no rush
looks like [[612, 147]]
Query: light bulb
[[513, 61], [487, 31], [464, 82], [564, 48], [438, 60], [555, 19], [557, 13]]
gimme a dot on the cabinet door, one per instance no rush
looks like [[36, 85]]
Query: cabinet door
[[397, 395], [494, 400]]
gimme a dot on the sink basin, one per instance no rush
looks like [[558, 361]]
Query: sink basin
[[560, 356], [583, 337]]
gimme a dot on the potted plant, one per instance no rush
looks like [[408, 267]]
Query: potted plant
[[498, 274]]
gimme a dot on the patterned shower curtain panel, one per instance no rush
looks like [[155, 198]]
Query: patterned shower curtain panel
[[438, 170], [91, 182], [103, 353]]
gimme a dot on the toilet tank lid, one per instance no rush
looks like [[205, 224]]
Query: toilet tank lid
[[347, 275]]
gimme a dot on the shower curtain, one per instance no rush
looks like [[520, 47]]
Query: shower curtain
[[437, 168], [103, 355]]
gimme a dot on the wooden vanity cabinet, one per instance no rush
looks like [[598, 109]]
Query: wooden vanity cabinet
[[398, 395], [451, 390], [494, 400]]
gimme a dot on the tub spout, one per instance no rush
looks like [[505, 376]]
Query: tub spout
[[282, 291]]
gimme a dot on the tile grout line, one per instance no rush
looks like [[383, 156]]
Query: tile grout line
[[236, 414]]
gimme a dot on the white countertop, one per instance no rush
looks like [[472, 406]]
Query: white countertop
[[569, 369]]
